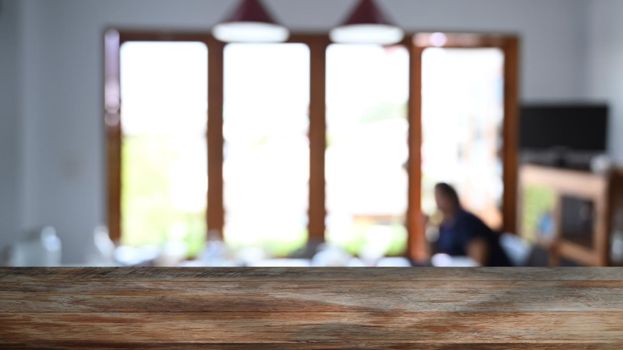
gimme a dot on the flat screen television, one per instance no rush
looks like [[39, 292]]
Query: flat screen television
[[568, 127]]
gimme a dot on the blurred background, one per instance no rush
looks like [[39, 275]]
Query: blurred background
[[138, 133]]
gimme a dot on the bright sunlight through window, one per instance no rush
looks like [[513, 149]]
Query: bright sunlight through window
[[462, 140], [164, 165], [266, 154], [367, 133]]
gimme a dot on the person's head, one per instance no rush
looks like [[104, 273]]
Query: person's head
[[447, 199]]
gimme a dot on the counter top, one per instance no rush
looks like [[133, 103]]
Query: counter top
[[311, 308]]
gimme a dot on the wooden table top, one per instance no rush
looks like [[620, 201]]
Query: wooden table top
[[311, 308]]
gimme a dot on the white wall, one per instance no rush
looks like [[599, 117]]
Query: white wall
[[606, 66], [10, 163], [62, 143]]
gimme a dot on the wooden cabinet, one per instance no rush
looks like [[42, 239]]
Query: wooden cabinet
[[600, 192]]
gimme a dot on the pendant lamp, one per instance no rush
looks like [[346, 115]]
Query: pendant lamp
[[367, 24], [250, 23]]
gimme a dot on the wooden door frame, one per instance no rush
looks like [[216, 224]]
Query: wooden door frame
[[114, 39], [509, 45]]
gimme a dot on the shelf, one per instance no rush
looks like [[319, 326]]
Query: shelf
[[591, 249], [581, 184]]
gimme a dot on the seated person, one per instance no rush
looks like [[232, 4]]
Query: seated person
[[461, 233]]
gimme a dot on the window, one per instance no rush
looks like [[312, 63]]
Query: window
[[462, 140], [306, 140], [266, 148], [164, 163], [367, 148]]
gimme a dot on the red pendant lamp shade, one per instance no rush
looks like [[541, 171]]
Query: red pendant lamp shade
[[367, 13], [251, 11], [367, 24], [250, 22]]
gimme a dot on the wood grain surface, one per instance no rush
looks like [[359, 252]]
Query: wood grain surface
[[320, 308]]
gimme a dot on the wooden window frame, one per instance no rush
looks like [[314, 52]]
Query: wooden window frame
[[509, 45], [318, 43]]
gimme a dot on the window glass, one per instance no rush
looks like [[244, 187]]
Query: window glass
[[462, 140], [367, 148], [266, 154], [164, 164]]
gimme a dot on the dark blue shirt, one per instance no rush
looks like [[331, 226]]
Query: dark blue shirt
[[456, 235]]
